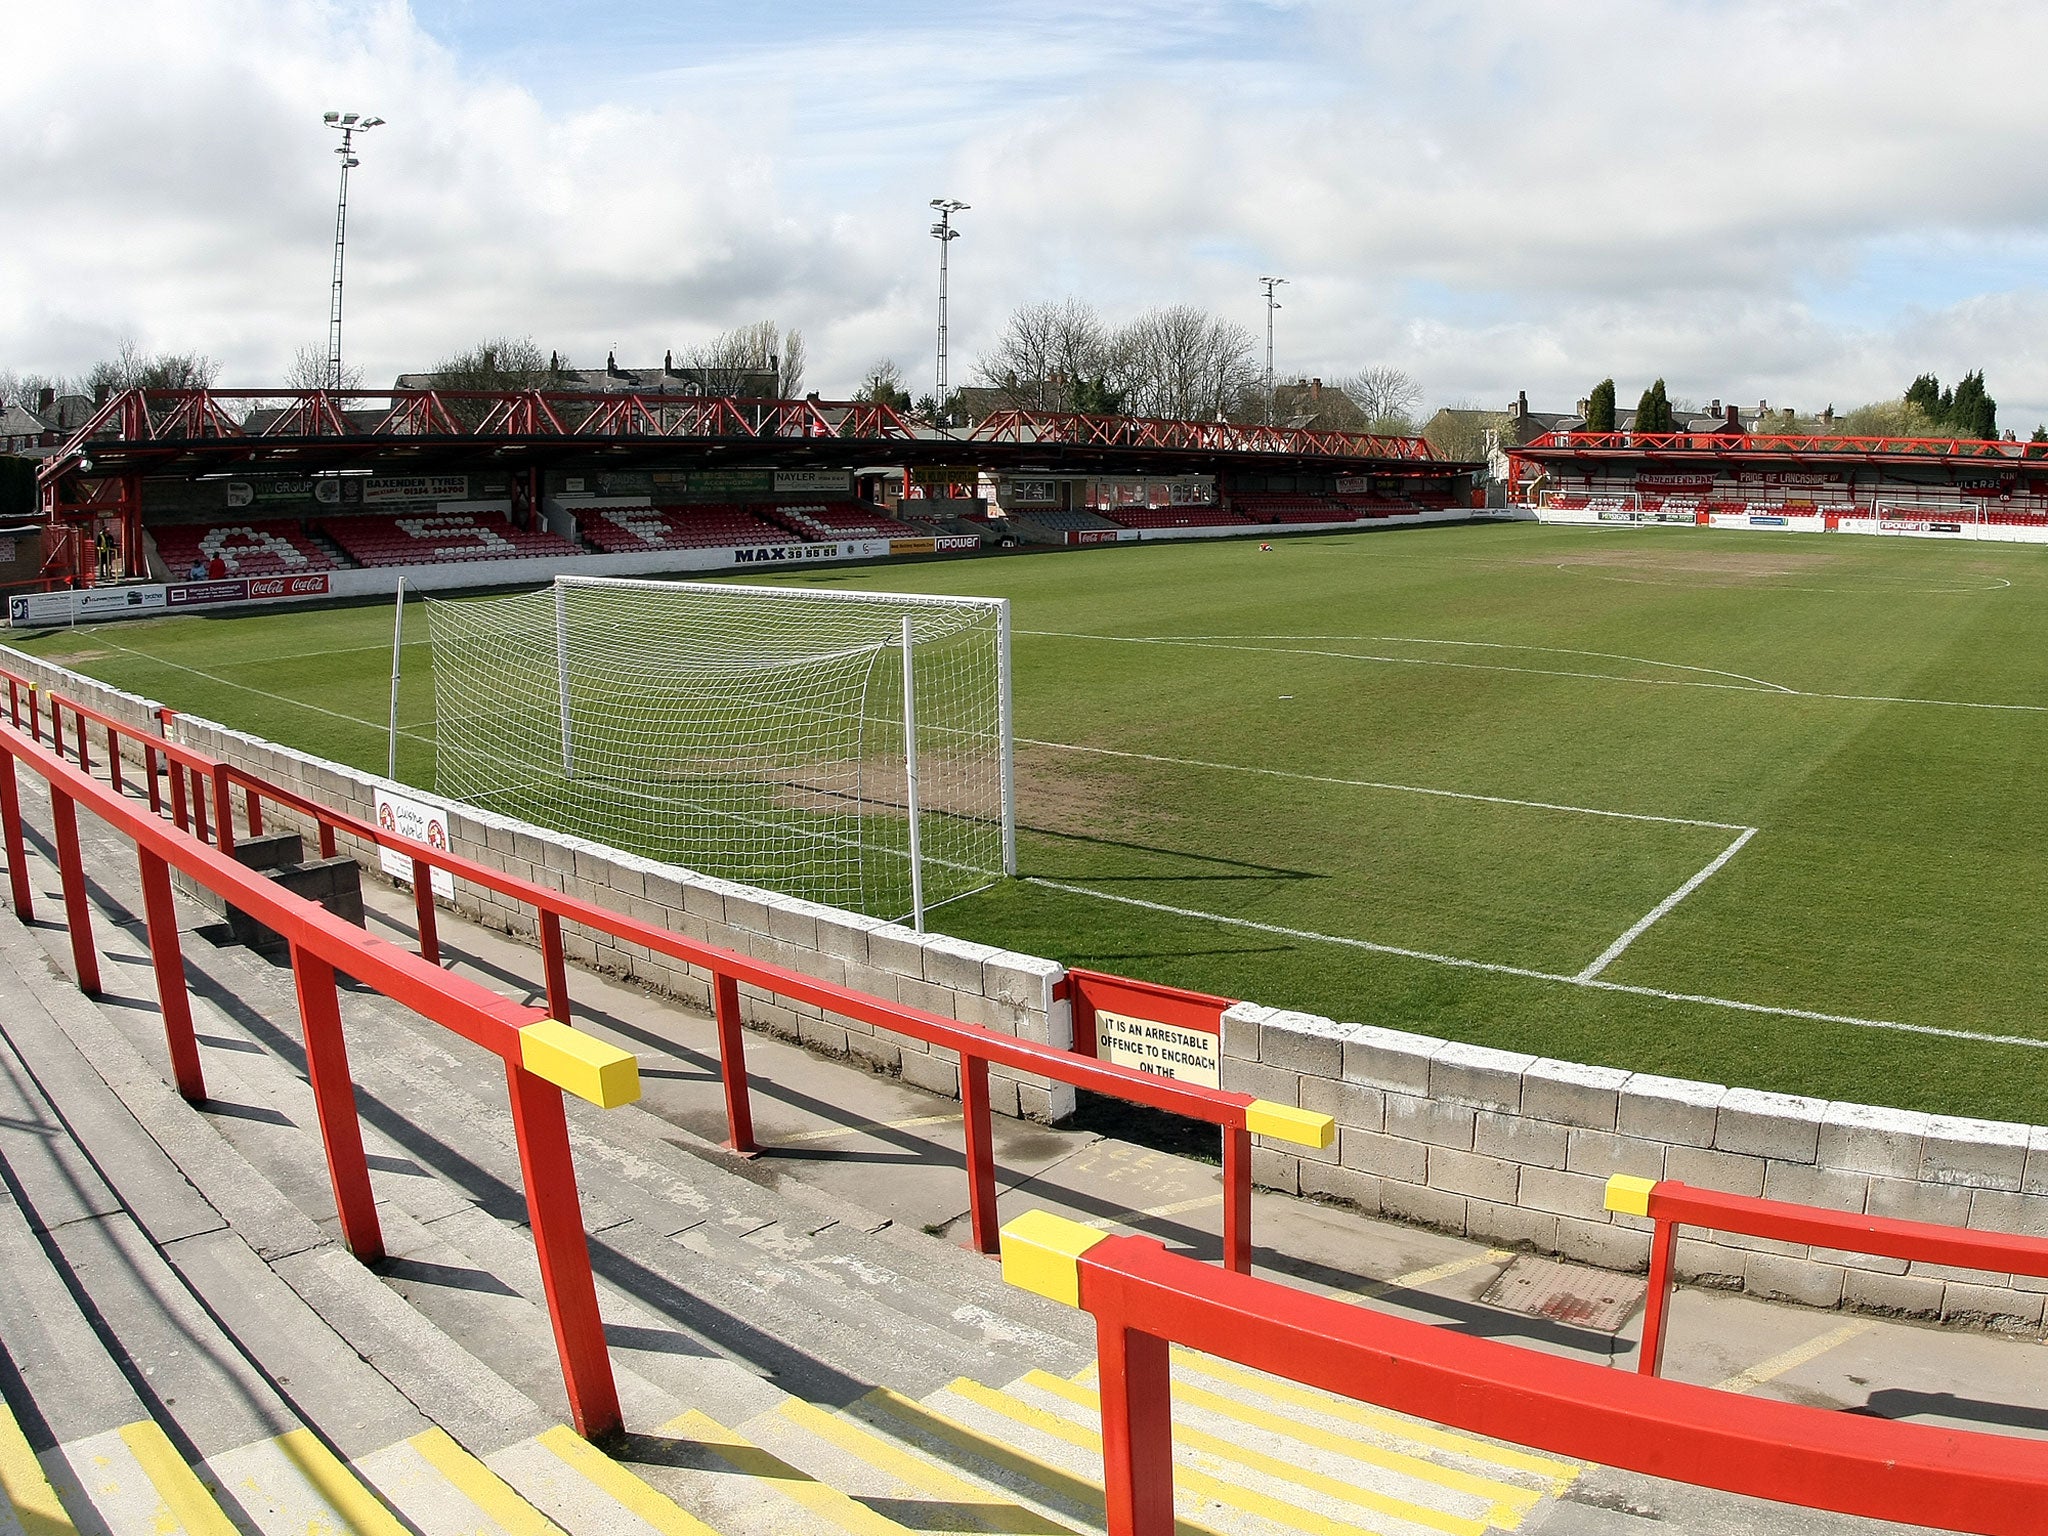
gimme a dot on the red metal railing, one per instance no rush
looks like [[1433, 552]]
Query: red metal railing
[[1671, 1205], [1788, 443], [1022, 425], [1145, 1299], [320, 946], [1238, 1116]]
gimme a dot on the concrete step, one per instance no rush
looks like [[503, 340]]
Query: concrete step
[[106, 1462], [720, 1292], [720, 1254]]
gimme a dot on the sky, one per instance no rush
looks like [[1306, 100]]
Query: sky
[[1804, 201]]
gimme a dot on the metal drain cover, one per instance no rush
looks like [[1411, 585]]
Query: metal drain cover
[[1567, 1293]]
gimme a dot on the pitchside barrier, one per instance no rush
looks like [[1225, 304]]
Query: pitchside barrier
[[544, 1057], [1495, 1145], [1145, 1300], [1670, 1205], [1238, 1116]]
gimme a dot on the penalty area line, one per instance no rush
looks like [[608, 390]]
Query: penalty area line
[[1613, 952], [1595, 984]]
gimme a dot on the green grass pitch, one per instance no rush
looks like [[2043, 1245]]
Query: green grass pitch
[[1431, 778]]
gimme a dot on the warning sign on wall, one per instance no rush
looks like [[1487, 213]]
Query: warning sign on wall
[[1164, 1050]]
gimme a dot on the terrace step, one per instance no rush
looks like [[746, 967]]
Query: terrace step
[[336, 883], [773, 1310]]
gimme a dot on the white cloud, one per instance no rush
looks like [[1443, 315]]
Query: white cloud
[[1805, 201]]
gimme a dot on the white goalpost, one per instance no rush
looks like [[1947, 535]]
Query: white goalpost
[[853, 748]]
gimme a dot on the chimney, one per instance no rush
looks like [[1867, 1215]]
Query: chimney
[[1715, 408], [1315, 390], [1763, 407], [668, 360], [46, 400], [1585, 406], [611, 362], [1734, 419], [1521, 406]]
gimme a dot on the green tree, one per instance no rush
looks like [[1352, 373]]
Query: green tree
[[1653, 411], [2040, 435], [1925, 392], [1096, 397], [1972, 412], [883, 385], [1600, 407]]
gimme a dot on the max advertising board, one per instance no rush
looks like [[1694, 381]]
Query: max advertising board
[[791, 554]]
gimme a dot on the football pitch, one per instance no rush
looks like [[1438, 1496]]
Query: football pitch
[[1761, 809]]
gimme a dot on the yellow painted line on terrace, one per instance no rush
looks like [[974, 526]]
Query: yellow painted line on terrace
[[1245, 1500], [864, 1128], [481, 1486], [983, 1506], [25, 1488], [1793, 1358]]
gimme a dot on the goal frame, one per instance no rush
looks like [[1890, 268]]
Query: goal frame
[[998, 607]]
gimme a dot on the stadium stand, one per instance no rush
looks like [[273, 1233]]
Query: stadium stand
[[436, 538], [276, 548], [1063, 519], [614, 530], [844, 519], [1268, 508], [1176, 517]]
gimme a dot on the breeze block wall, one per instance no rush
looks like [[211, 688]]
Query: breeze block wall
[[1018, 994], [1517, 1149], [1488, 1144]]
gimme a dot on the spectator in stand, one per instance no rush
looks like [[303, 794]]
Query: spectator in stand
[[216, 569], [103, 542], [197, 571]]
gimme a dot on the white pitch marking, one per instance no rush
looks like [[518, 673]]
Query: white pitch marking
[[1499, 645], [2000, 584], [1409, 661], [1613, 951], [1597, 984], [1760, 686], [1406, 789]]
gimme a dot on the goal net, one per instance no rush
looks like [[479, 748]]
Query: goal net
[[760, 734]]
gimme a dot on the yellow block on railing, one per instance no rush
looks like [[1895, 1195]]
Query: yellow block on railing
[[1629, 1195], [1042, 1254], [1304, 1127], [580, 1064]]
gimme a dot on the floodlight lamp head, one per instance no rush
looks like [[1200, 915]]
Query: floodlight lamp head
[[330, 117], [371, 122]]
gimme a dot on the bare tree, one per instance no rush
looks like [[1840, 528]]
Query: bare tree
[[789, 382], [132, 368], [1386, 397], [497, 362], [733, 362], [1184, 363], [883, 384], [1462, 431], [309, 370], [1047, 356]]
